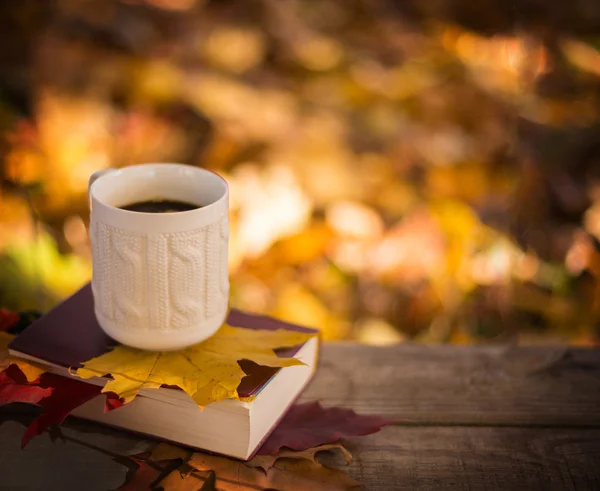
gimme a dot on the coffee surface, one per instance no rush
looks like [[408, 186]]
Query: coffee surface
[[160, 206]]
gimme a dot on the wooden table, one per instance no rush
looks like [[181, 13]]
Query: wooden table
[[473, 418]]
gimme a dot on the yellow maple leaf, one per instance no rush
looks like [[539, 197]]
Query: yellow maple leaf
[[30, 370], [207, 371]]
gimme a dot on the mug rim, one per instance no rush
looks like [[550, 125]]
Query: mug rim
[[156, 223], [130, 168]]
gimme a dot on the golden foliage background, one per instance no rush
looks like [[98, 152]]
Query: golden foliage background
[[396, 172]]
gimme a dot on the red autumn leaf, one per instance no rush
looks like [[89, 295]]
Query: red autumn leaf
[[309, 425], [8, 319], [12, 390], [58, 396], [16, 375], [140, 477], [112, 402], [67, 394]]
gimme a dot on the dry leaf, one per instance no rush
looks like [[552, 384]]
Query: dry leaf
[[311, 453], [13, 391], [308, 425], [67, 394], [230, 475], [206, 472], [164, 451], [294, 474], [208, 371], [265, 462], [285, 475], [57, 396], [30, 370], [187, 481], [141, 477]]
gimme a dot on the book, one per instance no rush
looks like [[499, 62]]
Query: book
[[69, 335]]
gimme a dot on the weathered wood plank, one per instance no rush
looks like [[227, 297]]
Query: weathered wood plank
[[47, 465], [478, 458], [483, 385], [433, 387], [407, 458]]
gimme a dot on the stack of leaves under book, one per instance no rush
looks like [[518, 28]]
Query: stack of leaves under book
[[176, 469], [287, 460], [297, 456]]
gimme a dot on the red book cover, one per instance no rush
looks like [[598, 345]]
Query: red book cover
[[69, 335]]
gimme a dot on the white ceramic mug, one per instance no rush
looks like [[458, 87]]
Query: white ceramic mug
[[160, 280]]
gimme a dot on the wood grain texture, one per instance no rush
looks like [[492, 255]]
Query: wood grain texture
[[46, 465], [530, 421], [483, 385], [478, 458], [397, 458]]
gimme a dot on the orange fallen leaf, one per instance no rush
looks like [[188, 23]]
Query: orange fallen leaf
[[165, 451], [295, 474], [200, 471], [141, 475], [286, 474], [187, 481], [311, 453], [208, 371], [265, 462]]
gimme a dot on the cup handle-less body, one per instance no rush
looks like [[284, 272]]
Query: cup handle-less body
[[160, 281]]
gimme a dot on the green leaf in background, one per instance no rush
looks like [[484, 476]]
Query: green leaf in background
[[36, 276]]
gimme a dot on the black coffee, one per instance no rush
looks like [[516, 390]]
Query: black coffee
[[160, 206]]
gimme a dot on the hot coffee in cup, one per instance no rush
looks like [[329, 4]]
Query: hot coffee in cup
[[160, 206], [159, 236]]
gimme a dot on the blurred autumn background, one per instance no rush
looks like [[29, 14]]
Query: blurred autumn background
[[424, 171]]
